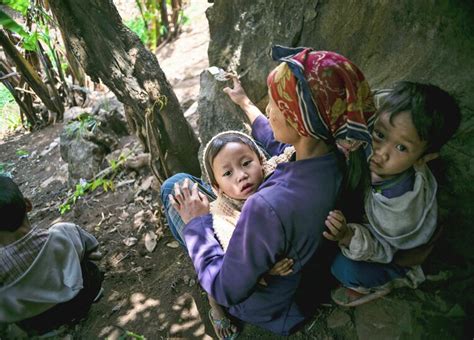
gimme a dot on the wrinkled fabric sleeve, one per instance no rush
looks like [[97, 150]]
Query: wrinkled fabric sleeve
[[366, 247], [89, 242], [84, 242], [262, 132], [253, 249]]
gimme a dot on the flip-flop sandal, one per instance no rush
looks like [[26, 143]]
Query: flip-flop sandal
[[350, 298], [222, 324]]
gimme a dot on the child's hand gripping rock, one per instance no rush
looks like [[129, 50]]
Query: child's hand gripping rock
[[338, 229], [237, 93]]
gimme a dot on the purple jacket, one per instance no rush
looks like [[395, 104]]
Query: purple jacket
[[284, 218]]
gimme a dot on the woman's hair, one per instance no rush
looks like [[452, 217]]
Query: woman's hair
[[12, 205], [216, 144]]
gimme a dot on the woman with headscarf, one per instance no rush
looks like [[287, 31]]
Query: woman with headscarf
[[319, 102]]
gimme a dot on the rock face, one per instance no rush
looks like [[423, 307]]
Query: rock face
[[217, 112], [422, 41], [86, 140]]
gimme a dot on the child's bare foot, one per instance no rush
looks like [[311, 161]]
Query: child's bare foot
[[222, 325]]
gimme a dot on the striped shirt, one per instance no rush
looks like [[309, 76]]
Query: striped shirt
[[17, 257]]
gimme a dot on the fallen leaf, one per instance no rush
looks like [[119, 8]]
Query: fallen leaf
[[146, 184], [150, 241], [130, 241]]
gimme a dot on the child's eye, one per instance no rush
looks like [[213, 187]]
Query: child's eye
[[246, 163], [401, 147], [378, 135], [227, 173]]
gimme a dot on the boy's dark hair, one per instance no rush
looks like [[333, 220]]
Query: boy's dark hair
[[217, 144], [435, 113], [12, 205]]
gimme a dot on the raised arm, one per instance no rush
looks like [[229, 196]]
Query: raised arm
[[238, 96]]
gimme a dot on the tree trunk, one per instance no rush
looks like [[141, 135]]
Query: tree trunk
[[176, 5], [109, 51], [51, 83], [164, 18]]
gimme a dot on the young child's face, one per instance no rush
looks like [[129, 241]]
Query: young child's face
[[397, 146], [237, 170]]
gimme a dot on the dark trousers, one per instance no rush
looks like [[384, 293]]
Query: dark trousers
[[69, 311]]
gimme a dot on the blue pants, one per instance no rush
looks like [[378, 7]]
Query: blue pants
[[353, 274], [175, 222]]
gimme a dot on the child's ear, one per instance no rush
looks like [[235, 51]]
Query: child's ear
[[29, 205], [426, 158]]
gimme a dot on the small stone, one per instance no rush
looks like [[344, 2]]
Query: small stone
[[130, 241], [116, 308], [173, 244], [186, 279]]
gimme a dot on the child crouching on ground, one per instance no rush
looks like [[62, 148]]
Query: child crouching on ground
[[415, 121], [235, 167], [46, 278]]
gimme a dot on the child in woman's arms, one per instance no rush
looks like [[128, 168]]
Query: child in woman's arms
[[236, 167], [415, 121]]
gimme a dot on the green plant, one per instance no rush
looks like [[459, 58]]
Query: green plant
[[21, 152], [84, 122], [183, 19], [4, 169], [82, 188], [138, 27], [5, 96], [115, 164], [127, 334], [9, 113], [10, 118]]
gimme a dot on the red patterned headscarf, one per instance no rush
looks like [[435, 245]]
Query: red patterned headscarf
[[323, 95]]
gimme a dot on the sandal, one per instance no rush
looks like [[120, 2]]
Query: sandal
[[350, 298], [222, 324]]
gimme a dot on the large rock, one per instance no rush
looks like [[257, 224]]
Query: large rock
[[83, 157], [217, 112], [85, 141], [425, 41]]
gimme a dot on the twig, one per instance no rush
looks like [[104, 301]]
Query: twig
[[6, 76]]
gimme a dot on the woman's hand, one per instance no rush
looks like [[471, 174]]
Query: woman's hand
[[189, 203], [338, 229], [283, 267]]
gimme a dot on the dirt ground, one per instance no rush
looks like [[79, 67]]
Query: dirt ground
[[150, 294]]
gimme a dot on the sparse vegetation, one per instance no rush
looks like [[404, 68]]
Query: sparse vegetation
[[82, 188], [84, 122]]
